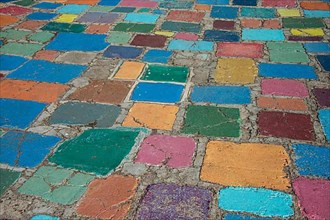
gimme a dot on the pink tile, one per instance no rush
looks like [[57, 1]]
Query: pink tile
[[172, 151], [249, 50], [313, 196], [186, 36], [279, 3], [139, 3], [284, 87]]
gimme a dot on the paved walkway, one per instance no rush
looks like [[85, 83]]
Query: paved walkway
[[164, 109]]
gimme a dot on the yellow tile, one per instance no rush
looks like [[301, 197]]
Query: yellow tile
[[246, 164], [129, 70], [236, 71], [288, 12], [165, 33], [153, 116], [307, 32], [66, 18]]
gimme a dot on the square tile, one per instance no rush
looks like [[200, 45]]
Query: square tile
[[212, 121], [286, 125], [57, 185], [25, 149], [97, 151], [236, 71], [246, 164], [153, 116], [114, 204], [103, 91], [19, 114], [130, 70], [161, 201], [173, 151]]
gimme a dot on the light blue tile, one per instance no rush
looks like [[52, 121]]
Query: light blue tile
[[317, 47], [316, 14], [73, 9], [141, 18], [324, 116], [263, 34], [191, 45]]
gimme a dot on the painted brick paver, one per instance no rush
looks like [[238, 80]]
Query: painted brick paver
[[164, 109]]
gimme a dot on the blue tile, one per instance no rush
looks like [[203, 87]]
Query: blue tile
[[141, 18], [242, 217], [317, 47], [224, 12], [316, 14], [290, 71], [122, 52], [213, 2], [245, 2], [78, 41], [157, 56], [221, 94], [8, 62], [19, 114], [263, 34], [258, 201], [44, 71], [41, 16], [324, 61], [312, 160], [73, 9], [324, 116], [157, 92], [109, 2], [25, 149], [47, 5], [159, 12], [190, 45], [44, 217], [223, 36], [258, 12]]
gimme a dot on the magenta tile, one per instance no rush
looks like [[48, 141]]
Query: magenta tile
[[164, 149], [186, 36], [284, 87], [313, 196], [14, 10], [139, 4]]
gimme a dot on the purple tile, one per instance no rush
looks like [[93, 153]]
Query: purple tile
[[322, 96], [171, 201], [97, 17]]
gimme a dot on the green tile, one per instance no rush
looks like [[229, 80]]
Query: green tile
[[291, 52], [166, 73], [123, 9], [41, 37], [119, 37], [64, 27], [133, 27], [25, 2], [143, 10], [14, 34], [212, 121], [97, 150], [21, 49], [56, 185], [7, 178], [99, 8], [181, 27], [302, 23]]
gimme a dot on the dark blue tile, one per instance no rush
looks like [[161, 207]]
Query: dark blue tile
[[19, 114], [157, 56], [224, 36], [44, 71], [245, 2], [41, 16], [224, 12], [157, 92], [25, 149], [324, 61], [47, 5], [122, 52], [8, 62]]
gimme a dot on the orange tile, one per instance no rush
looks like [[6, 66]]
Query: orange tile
[[202, 7], [129, 70], [315, 5], [275, 24], [7, 20], [30, 90], [98, 28], [154, 116], [31, 25], [282, 103], [247, 165], [49, 55]]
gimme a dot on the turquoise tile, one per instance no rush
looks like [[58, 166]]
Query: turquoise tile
[[191, 45], [263, 34], [141, 18]]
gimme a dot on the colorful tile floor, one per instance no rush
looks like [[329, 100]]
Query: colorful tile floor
[[165, 109]]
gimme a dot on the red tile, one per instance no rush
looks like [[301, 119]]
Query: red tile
[[224, 25], [187, 16], [14, 10], [249, 50], [286, 125], [149, 40]]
